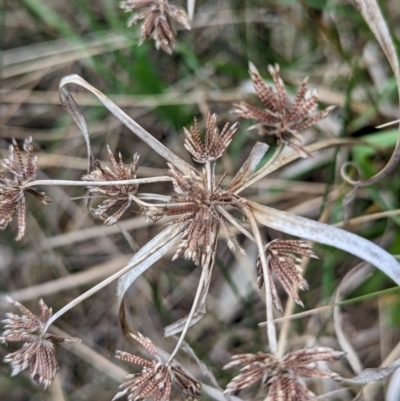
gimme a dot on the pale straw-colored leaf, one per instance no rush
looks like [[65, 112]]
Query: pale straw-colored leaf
[[248, 167], [191, 4], [73, 110], [127, 121], [284, 160], [373, 374], [170, 237], [353, 279], [328, 235]]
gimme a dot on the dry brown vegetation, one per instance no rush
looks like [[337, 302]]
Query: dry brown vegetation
[[210, 214]]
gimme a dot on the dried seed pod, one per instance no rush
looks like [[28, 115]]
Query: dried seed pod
[[282, 376], [286, 267], [156, 378], [117, 196], [12, 197], [156, 23], [38, 354], [282, 119]]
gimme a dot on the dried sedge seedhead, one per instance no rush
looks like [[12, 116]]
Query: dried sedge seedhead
[[281, 376], [117, 196], [282, 119], [156, 378], [12, 198], [214, 143], [38, 353], [156, 23], [282, 261], [199, 197]]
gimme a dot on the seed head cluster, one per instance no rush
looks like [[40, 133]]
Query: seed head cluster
[[12, 197], [283, 263], [279, 118], [156, 378], [281, 376], [156, 23], [117, 197], [199, 197], [38, 353]]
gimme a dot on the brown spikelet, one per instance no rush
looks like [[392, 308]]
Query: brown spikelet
[[156, 23], [282, 119], [199, 197], [215, 142], [12, 197], [38, 353], [117, 196], [156, 378], [281, 377], [286, 267]]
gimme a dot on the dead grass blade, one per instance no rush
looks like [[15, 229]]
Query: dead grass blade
[[125, 119], [328, 235], [164, 242], [350, 281]]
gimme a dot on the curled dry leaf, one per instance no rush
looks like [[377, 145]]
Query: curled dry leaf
[[118, 197], [38, 354], [156, 378], [286, 267], [282, 119], [281, 377], [156, 23], [12, 198]]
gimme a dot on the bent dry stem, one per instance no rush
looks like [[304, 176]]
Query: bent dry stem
[[110, 279]]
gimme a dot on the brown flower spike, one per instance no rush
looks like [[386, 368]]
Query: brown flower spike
[[281, 376], [156, 378], [286, 267], [156, 23], [38, 354], [199, 197], [12, 198], [117, 196], [282, 119]]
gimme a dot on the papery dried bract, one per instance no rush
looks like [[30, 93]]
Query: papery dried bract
[[156, 23], [283, 263], [282, 119], [117, 196], [156, 378], [282, 376], [12, 197], [38, 353]]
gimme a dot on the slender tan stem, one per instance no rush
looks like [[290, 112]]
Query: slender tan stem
[[263, 170], [271, 331], [199, 291], [136, 181], [108, 280]]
